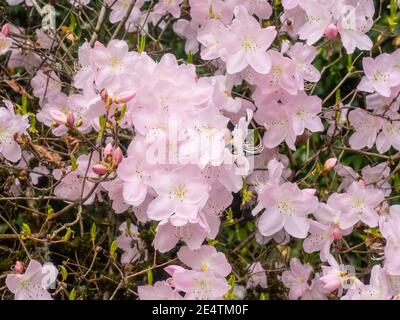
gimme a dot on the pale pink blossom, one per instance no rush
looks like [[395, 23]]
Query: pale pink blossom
[[296, 279], [33, 284], [246, 44]]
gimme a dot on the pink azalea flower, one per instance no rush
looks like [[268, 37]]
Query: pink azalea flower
[[302, 56], [380, 75], [211, 36], [205, 259], [353, 25], [390, 227], [202, 11], [261, 8], [222, 94], [257, 277], [199, 285], [170, 6], [315, 291], [11, 124], [186, 29], [361, 202], [33, 284], [296, 279], [286, 206], [377, 289], [390, 134], [325, 232], [129, 242], [182, 193], [192, 233], [134, 173], [76, 184], [115, 64], [246, 44], [318, 19], [338, 277], [160, 291], [5, 44], [366, 128], [282, 75], [115, 193]]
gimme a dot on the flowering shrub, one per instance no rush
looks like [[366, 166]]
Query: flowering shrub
[[200, 149]]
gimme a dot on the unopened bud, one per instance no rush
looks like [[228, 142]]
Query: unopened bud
[[108, 150], [337, 234], [5, 29], [117, 156], [98, 45], [100, 169], [70, 119], [19, 267], [331, 31], [329, 164], [125, 97]]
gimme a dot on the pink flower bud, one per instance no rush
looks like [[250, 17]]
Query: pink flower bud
[[108, 150], [331, 282], [117, 156], [58, 116], [19, 267], [337, 234], [70, 119], [98, 45], [125, 97], [100, 169], [331, 31], [5, 29], [329, 164]]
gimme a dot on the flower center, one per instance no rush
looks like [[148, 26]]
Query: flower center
[[248, 44], [115, 63], [179, 192], [380, 76], [285, 207], [358, 204]]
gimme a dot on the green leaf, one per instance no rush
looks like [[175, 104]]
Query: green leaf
[[142, 44], [93, 232], [113, 249], [74, 163], [122, 112], [50, 212], [72, 23], [150, 276], [63, 272], [67, 234], [27, 229], [190, 57], [229, 295], [102, 121], [393, 9], [24, 104], [72, 294], [32, 123]]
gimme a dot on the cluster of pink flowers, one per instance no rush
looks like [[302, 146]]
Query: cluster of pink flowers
[[205, 280], [191, 144], [380, 124]]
